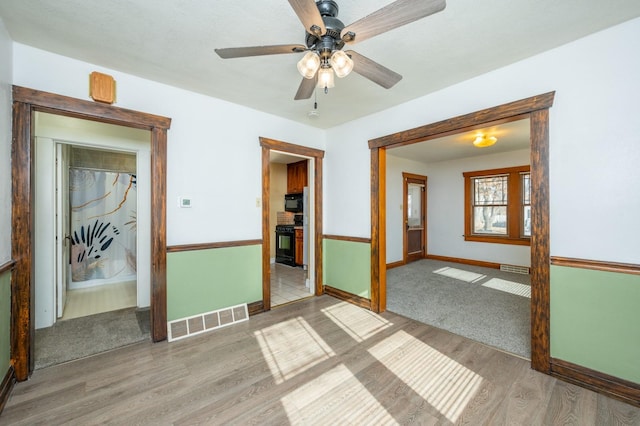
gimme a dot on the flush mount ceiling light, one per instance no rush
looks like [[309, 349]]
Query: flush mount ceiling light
[[482, 141]]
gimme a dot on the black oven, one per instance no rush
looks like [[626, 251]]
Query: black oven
[[294, 203], [285, 244]]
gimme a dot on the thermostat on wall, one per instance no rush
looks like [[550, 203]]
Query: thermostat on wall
[[185, 202]]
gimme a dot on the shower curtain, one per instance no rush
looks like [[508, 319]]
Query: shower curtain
[[103, 227]]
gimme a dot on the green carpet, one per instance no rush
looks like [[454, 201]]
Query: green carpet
[[90, 335]]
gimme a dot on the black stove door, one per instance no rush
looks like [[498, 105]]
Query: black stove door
[[285, 247]]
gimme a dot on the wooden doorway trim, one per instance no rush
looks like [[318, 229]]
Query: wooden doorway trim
[[536, 109], [317, 156], [25, 103]]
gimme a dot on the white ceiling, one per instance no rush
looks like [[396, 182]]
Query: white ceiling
[[511, 136], [173, 41]]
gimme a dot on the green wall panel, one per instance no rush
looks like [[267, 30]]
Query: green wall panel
[[205, 280], [595, 320], [347, 266], [5, 322]]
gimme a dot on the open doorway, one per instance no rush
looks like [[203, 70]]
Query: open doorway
[[536, 108], [91, 204], [473, 279], [291, 205], [279, 155], [25, 103], [102, 232]]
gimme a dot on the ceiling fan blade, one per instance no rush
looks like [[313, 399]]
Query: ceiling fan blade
[[394, 15], [373, 70], [241, 52], [309, 15], [307, 86]]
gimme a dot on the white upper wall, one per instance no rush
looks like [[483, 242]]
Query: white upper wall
[[214, 156], [445, 208], [395, 202], [6, 69], [594, 142]]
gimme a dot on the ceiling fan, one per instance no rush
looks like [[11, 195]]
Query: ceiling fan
[[326, 36]]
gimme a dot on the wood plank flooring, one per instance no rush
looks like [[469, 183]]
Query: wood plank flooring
[[318, 361]]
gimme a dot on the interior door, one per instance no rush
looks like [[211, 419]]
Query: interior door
[[415, 235], [63, 246]]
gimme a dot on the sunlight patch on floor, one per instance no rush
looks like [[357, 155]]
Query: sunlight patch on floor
[[509, 287], [358, 323], [445, 384], [335, 397], [291, 347], [460, 274]]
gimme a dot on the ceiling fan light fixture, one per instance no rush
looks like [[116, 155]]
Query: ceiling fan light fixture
[[341, 63], [325, 78], [482, 141], [309, 64]]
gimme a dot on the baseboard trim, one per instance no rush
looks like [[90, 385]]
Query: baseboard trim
[[464, 261], [395, 264], [596, 381], [255, 307], [6, 387], [348, 297]]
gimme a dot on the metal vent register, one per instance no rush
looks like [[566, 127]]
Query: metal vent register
[[201, 323], [516, 269]]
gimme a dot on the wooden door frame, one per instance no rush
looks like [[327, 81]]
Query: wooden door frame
[[405, 194], [317, 156], [25, 102], [535, 108]]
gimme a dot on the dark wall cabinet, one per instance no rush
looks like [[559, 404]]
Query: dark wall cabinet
[[296, 177]]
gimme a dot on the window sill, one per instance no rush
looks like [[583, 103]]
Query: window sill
[[498, 240]]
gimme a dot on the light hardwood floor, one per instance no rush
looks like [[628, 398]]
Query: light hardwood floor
[[98, 299], [318, 361], [287, 284]]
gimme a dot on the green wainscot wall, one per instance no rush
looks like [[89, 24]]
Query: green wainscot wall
[[5, 322], [595, 320], [201, 281], [347, 266]]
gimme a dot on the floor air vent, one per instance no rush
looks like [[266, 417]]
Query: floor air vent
[[201, 323], [515, 269]]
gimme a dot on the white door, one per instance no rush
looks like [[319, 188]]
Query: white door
[[62, 226]]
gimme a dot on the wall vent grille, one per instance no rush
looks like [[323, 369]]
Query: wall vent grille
[[515, 269], [208, 321]]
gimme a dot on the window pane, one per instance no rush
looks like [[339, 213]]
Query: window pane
[[490, 190], [414, 205], [526, 221], [490, 220], [526, 188]]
